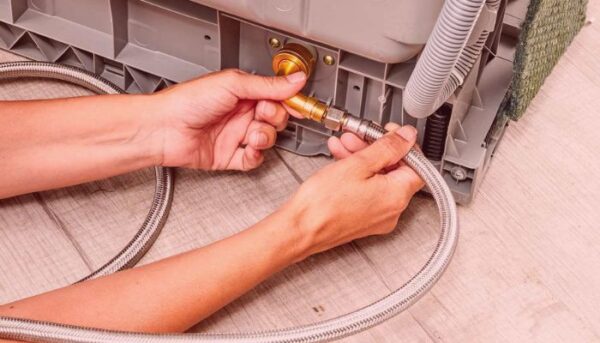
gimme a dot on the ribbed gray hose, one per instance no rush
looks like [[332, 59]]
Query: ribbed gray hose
[[447, 59], [163, 193], [364, 318]]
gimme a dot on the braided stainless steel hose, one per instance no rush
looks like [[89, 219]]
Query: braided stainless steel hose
[[364, 318], [163, 194]]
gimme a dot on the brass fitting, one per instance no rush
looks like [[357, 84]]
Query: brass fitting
[[335, 119], [292, 58]]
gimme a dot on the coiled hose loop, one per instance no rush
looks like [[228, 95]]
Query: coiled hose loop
[[163, 193], [364, 318], [447, 59]]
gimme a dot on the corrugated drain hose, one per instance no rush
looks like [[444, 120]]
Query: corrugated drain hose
[[448, 57], [364, 318]]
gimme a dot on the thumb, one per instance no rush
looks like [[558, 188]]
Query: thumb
[[256, 87], [388, 150]]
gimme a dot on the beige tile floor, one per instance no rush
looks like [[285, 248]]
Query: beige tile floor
[[527, 267]]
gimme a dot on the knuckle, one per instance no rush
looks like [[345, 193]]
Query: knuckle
[[230, 76], [414, 181], [270, 81], [398, 206], [272, 130], [399, 144], [233, 74], [387, 227], [272, 136], [359, 159], [389, 145], [391, 126], [402, 202], [357, 162], [252, 164], [282, 125], [417, 182], [399, 198], [344, 169]]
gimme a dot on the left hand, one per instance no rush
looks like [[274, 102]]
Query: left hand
[[373, 176], [224, 120]]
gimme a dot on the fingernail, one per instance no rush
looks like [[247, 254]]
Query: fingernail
[[297, 77], [259, 139], [268, 108], [407, 132]]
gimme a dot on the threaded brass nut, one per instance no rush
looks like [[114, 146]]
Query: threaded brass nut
[[293, 57]]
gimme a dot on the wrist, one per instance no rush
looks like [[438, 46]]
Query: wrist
[[290, 244], [302, 229], [152, 126]]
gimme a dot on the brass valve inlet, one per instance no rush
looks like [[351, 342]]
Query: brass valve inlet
[[294, 57]]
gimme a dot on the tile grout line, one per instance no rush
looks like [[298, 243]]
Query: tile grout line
[[60, 225], [296, 176]]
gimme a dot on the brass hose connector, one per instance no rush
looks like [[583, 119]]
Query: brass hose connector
[[293, 58]]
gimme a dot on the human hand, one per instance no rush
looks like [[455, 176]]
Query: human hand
[[363, 194], [224, 120]]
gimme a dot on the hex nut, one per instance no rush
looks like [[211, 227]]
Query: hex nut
[[458, 173], [334, 118]]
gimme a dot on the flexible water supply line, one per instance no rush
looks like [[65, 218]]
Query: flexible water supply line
[[163, 193], [364, 318], [448, 57]]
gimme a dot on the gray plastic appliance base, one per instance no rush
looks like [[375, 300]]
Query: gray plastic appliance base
[[146, 45]]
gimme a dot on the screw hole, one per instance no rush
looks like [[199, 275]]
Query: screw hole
[[356, 88], [207, 37]]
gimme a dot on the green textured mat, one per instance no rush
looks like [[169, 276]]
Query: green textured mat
[[547, 31]]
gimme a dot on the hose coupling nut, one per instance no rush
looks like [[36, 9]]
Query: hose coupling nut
[[334, 119], [363, 128], [357, 126]]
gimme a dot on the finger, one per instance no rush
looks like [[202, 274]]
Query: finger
[[293, 112], [256, 87], [272, 113], [392, 126], [245, 159], [407, 178], [352, 142], [387, 151], [260, 136], [338, 150]]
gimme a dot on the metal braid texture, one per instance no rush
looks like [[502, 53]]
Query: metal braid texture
[[359, 320]]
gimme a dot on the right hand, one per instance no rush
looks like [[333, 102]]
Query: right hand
[[361, 195]]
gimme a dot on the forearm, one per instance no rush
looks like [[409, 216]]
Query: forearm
[[172, 295], [55, 143]]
